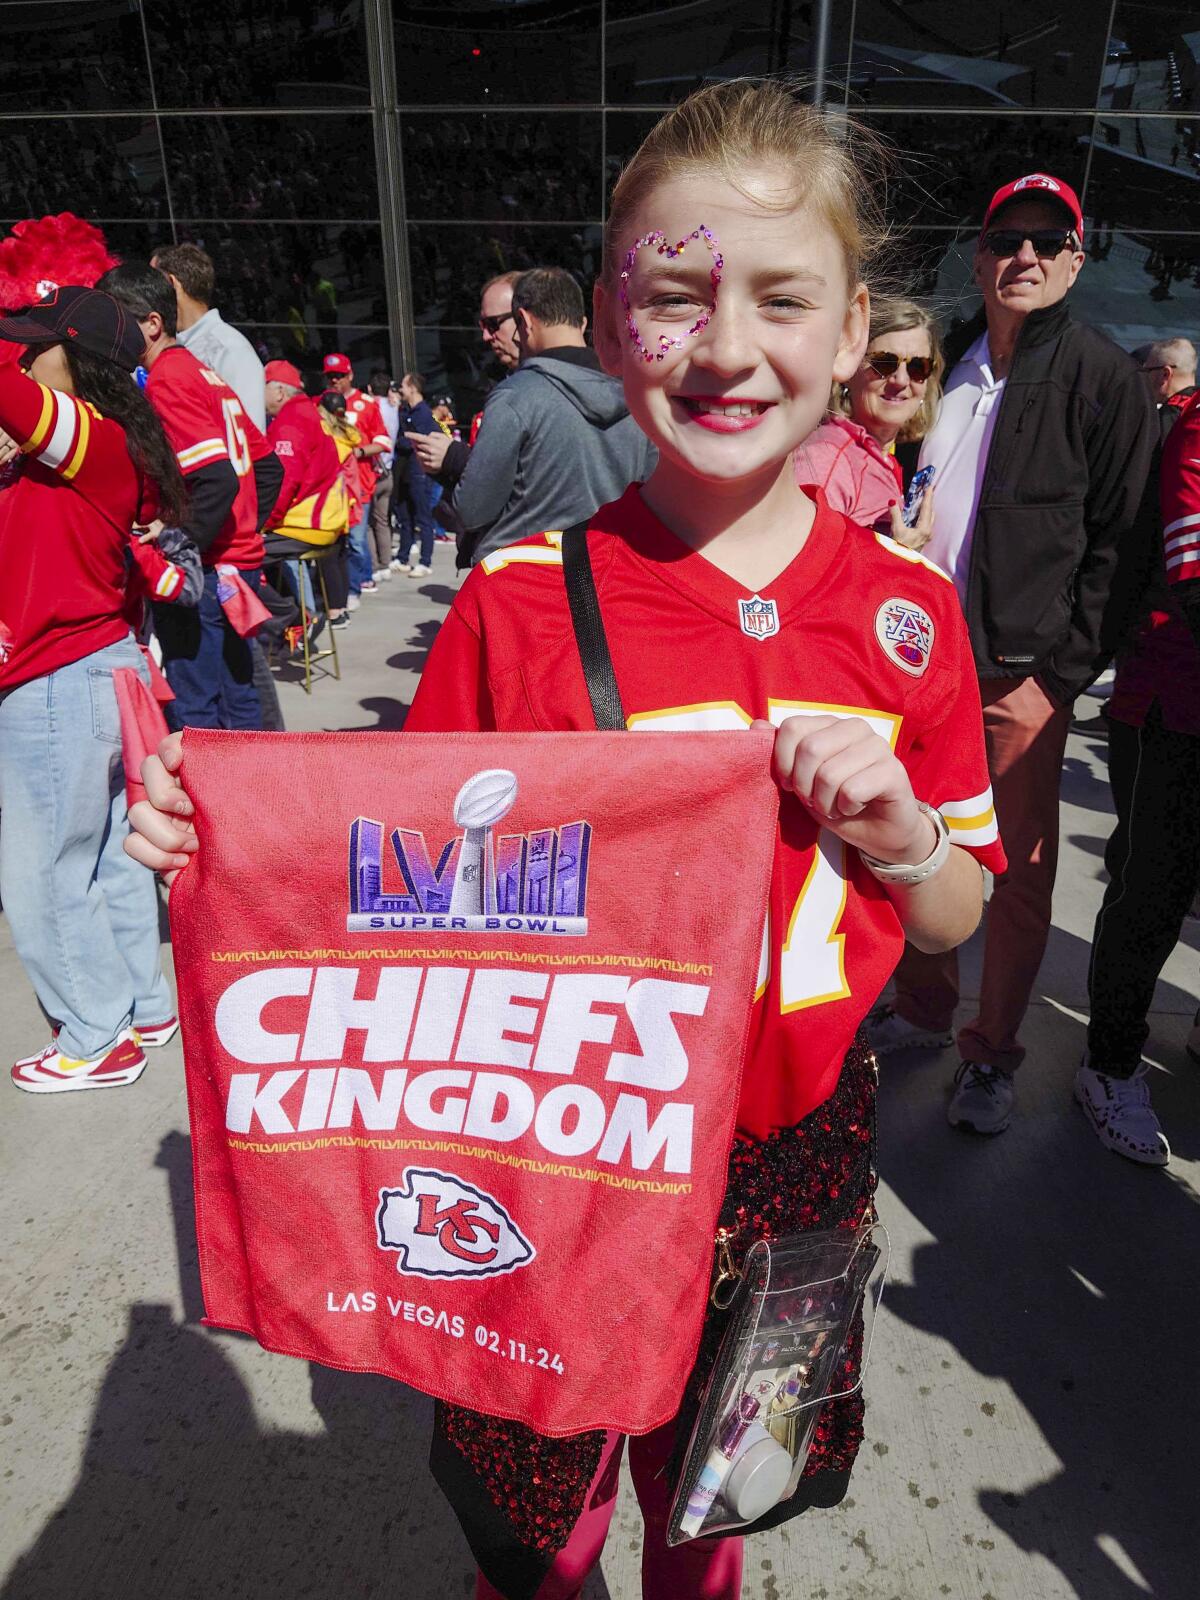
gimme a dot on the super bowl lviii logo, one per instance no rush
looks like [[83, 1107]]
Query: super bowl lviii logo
[[474, 882]]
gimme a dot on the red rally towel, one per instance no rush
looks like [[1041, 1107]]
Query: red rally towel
[[243, 610], [143, 726], [159, 687], [463, 1041]]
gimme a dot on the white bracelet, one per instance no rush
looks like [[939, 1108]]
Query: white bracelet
[[903, 872]]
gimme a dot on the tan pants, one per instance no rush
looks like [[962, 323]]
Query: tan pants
[[1026, 737]]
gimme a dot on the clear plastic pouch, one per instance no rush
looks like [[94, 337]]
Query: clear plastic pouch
[[798, 1302]]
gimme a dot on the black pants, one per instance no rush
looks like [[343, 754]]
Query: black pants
[[1153, 861]]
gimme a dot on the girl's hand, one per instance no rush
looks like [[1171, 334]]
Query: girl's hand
[[9, 450], [148, 532], [850, 782], [918, 536], [162, 836]]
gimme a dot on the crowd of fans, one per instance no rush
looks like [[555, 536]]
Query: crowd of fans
[[302, 499]]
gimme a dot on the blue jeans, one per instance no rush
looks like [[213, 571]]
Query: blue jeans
[[414, 514], [361, 567], [208, 665], [84, 916]]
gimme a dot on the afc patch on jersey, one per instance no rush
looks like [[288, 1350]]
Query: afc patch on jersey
[[759, 618], [905, 634]]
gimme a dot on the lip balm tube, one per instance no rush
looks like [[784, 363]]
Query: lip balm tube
[[721, 1457]]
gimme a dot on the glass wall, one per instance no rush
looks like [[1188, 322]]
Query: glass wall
[[255, 129]]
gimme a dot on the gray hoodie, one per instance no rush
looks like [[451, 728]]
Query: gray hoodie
[[556, 442]]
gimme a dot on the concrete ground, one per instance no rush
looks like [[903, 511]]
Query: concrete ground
[[1032, 1401]]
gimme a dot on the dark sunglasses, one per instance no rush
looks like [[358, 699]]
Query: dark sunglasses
[[494, 324], [885, 364], [1047, 242]]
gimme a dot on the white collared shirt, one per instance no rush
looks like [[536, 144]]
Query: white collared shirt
[[958, 445]]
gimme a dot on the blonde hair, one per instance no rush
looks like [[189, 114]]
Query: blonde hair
[[890, 314], [838, 167]]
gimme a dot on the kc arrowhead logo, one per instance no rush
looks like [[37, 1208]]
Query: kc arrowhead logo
[[445, 1228]]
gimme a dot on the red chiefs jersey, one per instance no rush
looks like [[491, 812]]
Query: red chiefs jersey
[[205, 422], [363, 413], [855, 626], [66, 509], [1179, 495]]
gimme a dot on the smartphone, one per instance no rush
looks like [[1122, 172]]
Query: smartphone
[[916, 493]]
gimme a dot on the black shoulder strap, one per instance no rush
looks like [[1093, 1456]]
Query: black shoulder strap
[[590, 638]]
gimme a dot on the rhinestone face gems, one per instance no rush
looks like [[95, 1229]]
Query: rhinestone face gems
[[658, 238]]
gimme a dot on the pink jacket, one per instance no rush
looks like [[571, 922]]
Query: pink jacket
[[857, 477]]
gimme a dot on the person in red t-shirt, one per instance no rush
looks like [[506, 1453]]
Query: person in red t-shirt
[[313, 508], [233, 478], [82, 459], [729, 596], [363, 413]]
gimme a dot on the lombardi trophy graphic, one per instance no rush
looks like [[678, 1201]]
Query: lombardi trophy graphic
[[481, 802]]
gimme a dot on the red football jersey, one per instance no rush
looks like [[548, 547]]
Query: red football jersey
[[855, 626], [66, 508], [363, 413], [205, 422]]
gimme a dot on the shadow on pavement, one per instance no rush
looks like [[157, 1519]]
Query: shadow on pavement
[[1069, 1275], [389, 714], [413, 659], [183, 1494]]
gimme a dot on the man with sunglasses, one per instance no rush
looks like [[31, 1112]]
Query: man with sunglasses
[[437, 453], [1169, 368], [1041, 452]]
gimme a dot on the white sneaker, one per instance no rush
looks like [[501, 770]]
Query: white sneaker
[[888, 1031], [419, 571], [983, 1098], [51, 1072], [397, 565], [154, 1035], [352, 602], [1120, 1111], [384, 575]]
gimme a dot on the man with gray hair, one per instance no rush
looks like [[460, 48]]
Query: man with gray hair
[[312, 510], [1169, 368]]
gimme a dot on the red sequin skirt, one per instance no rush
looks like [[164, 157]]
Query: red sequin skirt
[[509, 1484]]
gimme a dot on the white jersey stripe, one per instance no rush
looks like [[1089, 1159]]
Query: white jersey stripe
[[1189, 521], [535, 554], [1181, 541], [197, 454], [975, 837], [57, 447], [1185, 558], [967, 808]]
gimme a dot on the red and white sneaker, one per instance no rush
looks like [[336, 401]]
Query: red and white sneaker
[[53, 1073], [151, 1035]]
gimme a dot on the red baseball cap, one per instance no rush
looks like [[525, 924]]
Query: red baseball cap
[[1038, 186], [282, 372], [339, 365]]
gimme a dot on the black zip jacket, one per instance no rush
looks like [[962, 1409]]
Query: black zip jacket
[[1064, 477]]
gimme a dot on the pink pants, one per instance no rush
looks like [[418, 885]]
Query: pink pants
[[701, 1569], [1026, 737]]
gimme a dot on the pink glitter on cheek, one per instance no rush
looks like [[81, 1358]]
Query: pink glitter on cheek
[[658, 238]]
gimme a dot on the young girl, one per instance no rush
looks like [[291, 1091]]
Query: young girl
[[732, 297]]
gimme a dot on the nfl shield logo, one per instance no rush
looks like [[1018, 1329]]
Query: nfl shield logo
[[758, 617]]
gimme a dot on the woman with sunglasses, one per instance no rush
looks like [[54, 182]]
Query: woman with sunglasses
[[892, 398]]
